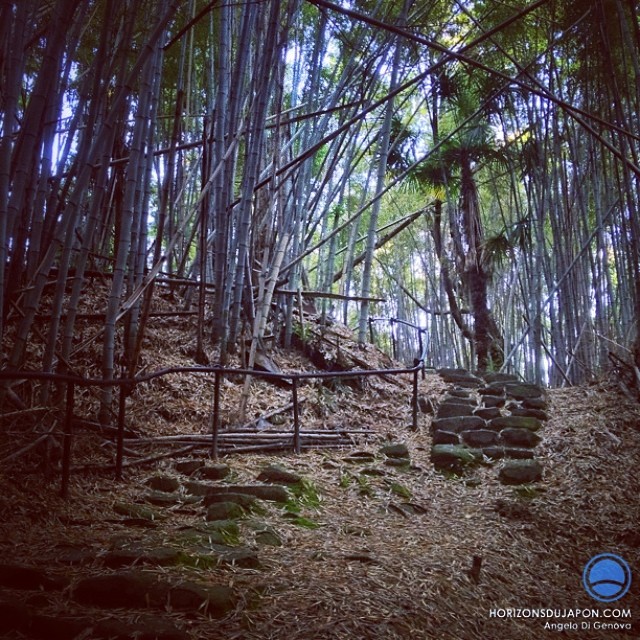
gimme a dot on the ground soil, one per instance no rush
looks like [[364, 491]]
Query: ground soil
[[358, 563]]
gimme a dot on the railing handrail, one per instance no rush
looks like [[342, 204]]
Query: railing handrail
[[17, 374], [417, 327], [127, 384]]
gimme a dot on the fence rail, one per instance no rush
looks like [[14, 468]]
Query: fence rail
[[128, 384], [421, 331]]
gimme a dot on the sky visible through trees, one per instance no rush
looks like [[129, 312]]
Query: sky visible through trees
[[467, 167]]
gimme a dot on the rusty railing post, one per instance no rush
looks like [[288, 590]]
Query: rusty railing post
[[215, 427], [394, 343], [67, 440], [422, 353], [296, 415]]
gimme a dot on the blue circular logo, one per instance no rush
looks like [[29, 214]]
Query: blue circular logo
[[607, 577]]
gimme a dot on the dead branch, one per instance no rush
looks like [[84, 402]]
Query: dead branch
[[25, 449], [134, 463]]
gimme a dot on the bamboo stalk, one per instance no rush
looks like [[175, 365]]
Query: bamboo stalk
[[247, 435]]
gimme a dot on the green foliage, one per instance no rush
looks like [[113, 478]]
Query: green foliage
[[302, 332], [346, 479], [319, 159], [306, 494], [540, 179], [365, 487], [496, 250], [201, 562], [400, 490], [499, 248], [302, 521]]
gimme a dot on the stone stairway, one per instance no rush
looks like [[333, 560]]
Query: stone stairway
[[177, 542], [128, 589], [488, 418]]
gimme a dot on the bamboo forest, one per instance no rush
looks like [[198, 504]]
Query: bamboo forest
[[320, 319], [468, 167]]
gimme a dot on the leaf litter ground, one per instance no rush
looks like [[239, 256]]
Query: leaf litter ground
[[383, 552]]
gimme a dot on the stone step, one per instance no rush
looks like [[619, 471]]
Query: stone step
[[270, 492], [143, 590]]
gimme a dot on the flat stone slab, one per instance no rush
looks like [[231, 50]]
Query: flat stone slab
[[224, 555], [131, 589], [445, 437], [213, 600], [466, 382], [265, 535], [214, 471], [279, 475], [268, 539], [491, 376], [271, 492], [460, 377], [459, 393], [359, 457], [516, 422], [534, 403], [397, 462], [240, 557], [457, 425], [142, 590], [454, 409], [454, 457], [137, 511], [425, 405], [521, 472], [373, 472], [479, 437], [487, 413], [496, 389], [21, 576], [188, 467], [224, 511], [518, 453], [164, 483], [493, 401], [164, 499], [139, 523], [397, 450], [194, 537], [451, 399], [523, 390], [446, 371], [494, 452], [242, 499], [520, 437], [72, 555], [528, 412], [207, 535], [497, 453]]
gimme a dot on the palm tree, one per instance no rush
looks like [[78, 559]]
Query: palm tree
[[450, 172]]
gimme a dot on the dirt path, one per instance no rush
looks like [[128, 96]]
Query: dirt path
[[364, 547]]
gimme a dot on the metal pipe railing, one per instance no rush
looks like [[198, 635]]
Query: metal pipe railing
[[422, 331], [126, 386]]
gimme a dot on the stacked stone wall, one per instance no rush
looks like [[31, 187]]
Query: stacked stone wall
[[486, 418]]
